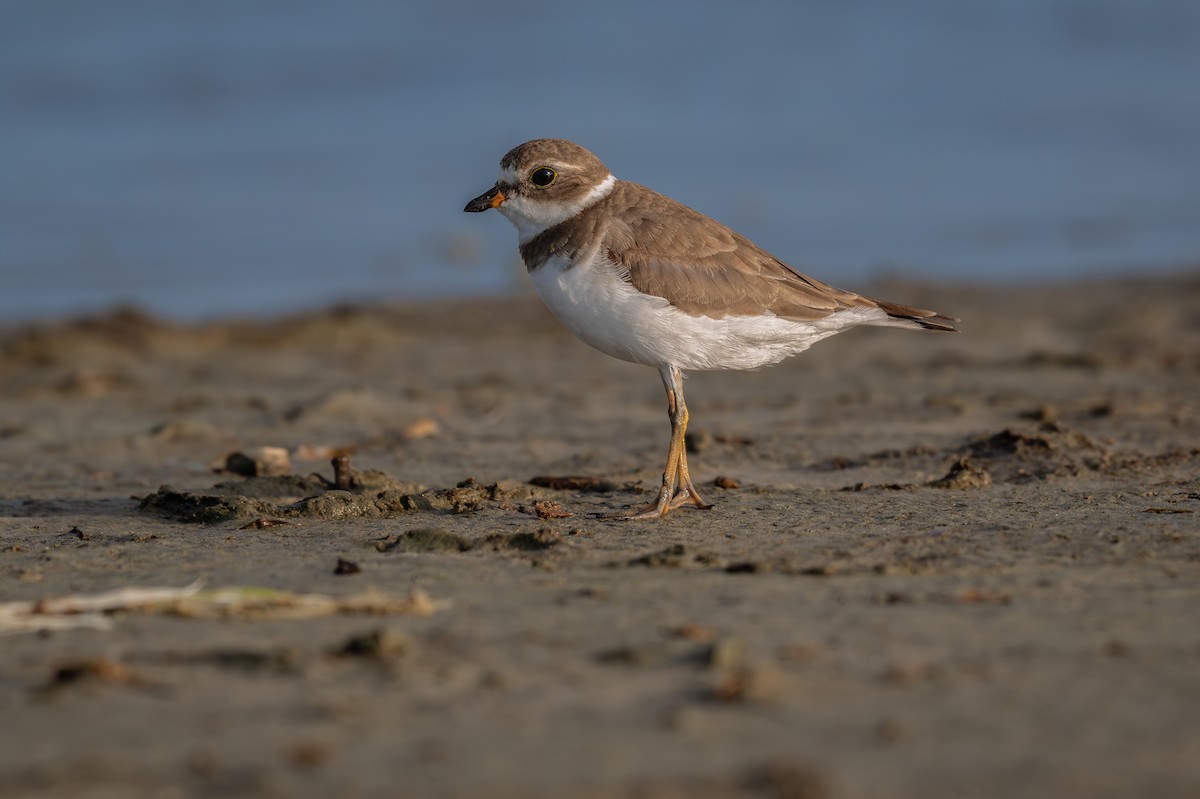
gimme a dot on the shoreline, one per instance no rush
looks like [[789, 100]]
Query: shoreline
[[944, 564]]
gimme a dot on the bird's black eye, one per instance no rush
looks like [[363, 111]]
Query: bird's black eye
[[542, 176]]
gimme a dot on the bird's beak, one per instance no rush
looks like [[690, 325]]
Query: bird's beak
[[489, 199]]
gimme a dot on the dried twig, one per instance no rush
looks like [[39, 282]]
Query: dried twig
[[243, 602]]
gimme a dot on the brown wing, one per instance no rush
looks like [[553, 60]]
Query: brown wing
[[723, 274]]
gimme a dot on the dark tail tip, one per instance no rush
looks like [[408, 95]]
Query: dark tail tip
[[927, 320]]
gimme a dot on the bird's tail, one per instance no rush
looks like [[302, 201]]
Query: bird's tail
[[907, 316]]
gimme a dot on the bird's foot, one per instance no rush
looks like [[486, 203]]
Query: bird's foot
[[656, 510], [688, 494]]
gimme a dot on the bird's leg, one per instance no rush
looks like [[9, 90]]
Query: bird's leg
[[670, 478], [676, 488], [685, 492]]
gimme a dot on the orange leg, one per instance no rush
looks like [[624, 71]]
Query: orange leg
[[687, 491], [677, 488]]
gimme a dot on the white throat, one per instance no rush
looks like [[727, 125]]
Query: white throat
[[532, 217]]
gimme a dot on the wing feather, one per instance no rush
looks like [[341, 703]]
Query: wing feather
[[724, 274], [703, 268]]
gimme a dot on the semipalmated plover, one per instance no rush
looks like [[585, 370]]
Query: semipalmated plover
[[646, 279]]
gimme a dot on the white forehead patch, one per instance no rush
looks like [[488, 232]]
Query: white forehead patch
[[510, 176]]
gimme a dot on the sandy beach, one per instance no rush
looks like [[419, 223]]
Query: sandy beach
[[937, 566]]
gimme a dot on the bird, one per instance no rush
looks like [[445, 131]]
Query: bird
[[646, 279]]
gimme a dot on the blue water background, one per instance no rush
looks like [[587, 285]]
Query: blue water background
[[217, 158]]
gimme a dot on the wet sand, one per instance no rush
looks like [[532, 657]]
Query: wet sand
[[939, 565]]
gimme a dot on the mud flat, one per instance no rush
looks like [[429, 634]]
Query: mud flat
[[937, 566]]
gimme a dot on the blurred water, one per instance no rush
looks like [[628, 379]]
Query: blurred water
[[215, 158]]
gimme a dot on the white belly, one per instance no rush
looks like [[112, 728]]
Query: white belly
[[594, 302]]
